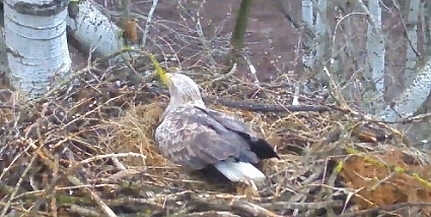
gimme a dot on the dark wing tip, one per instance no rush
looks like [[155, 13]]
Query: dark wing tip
[[263, 149]]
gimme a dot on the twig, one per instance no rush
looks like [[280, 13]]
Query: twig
[[210, 213], [282, 9], [302, 206], [391, 207], [225, 76], [295, 100], [252, 71], [21, 179], [202, 36], [370, 18], [147, 24], [252, 209], [108, 211], [84, 211], [263, 107], [256, 107], [99, 157], [400, 13]]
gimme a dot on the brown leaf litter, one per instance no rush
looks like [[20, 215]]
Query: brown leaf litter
[[89, 151]]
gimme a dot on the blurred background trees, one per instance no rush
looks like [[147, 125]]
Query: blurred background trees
[[376, 54]]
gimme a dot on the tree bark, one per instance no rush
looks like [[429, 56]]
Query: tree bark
[[376, 54], [237, 41], [93, 32], [35, 35]]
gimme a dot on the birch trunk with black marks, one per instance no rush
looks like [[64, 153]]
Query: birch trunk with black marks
[[35, 36], [412, 41], [95, 33], [376, 56]]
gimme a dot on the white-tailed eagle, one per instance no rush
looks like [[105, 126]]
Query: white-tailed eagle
[[196, 137]]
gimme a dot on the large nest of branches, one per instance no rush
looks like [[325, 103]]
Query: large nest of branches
[[87, 148]]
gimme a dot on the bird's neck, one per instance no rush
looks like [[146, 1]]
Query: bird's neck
[[179, 102]]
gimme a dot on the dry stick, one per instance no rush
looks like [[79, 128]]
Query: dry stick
[[302, 206], [256, 107], [202, 36], [48, 191], [105, 208], [252, 71], [252, 208], [391, 207], [225, 76], [83, 211], [21, 179], [210, 213], [100, 157], [370, 18], [147, 24], [20, 210]]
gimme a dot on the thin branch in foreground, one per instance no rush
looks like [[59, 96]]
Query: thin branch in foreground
[[210, 213], [392, 207], [252, 209], [102, 205], [84, 211], [18, 184], [147, 24]]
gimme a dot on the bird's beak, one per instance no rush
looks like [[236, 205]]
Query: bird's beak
[[163, 76]]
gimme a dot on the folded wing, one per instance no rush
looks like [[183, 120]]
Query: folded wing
[[197, 137]]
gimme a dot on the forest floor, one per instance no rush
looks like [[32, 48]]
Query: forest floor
[[86, 147]]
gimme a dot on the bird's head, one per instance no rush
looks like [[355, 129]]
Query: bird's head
[[182, 89]]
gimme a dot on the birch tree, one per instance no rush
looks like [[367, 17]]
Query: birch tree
[[321, 30], [411, 99], [307, 23], [37, 46], [375, 51], [96, 33], [35, 36], [412, 41], [417, 92]]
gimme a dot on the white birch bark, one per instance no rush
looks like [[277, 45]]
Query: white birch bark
[[35, 34], [376, 51], [412, 41], [95, 33], [412, 98], [307, 22], [320, 28]]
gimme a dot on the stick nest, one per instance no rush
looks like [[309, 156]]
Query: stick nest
[[87, 148]]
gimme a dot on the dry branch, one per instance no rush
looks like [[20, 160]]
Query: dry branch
[[256, 107]]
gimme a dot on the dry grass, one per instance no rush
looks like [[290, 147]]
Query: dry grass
[[91, 150]]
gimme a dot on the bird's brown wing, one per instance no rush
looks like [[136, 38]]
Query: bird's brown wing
[[231, 122], [257, 144], [190, 137]]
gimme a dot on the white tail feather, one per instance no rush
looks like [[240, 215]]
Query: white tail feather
[[240, 171]]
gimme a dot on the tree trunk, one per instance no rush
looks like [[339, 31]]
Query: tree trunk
[[376, 54], [412, 98], [237, 41], [35, 35], [412, 41], [94, 33], [308, 24]]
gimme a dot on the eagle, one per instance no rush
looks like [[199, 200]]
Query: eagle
[[196, 137]]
